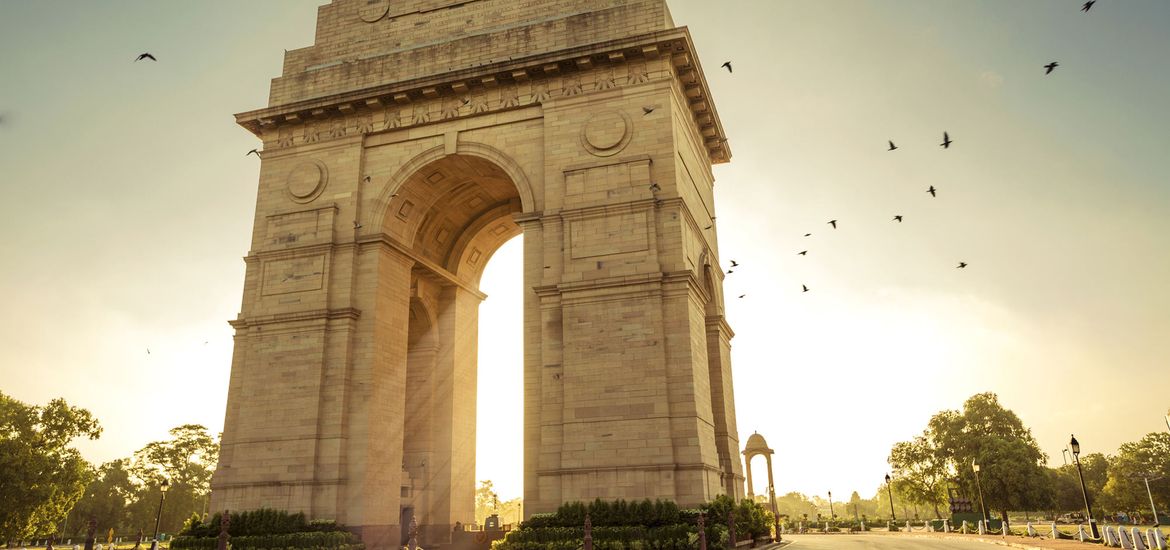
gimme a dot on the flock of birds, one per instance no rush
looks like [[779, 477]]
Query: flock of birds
[[946, 144]]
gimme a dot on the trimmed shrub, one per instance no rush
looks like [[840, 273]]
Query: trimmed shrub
[[340, 540]]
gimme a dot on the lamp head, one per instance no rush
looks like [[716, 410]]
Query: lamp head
[[165, 485], [887, 478], [1075, 446]]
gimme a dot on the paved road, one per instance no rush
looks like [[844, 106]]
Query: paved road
[[880, 542]]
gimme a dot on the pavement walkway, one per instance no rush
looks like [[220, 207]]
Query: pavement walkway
[[1029, 543]]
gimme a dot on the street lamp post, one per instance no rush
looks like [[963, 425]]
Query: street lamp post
[[832, 513], [1147, 478], [775, 512], [979, 484], [158, 517], [1076, 452], [890, 490]]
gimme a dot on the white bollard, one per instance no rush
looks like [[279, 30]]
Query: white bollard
[[1126, 544], [863, 526], [1111, 538], [1029, 530], [982, 528], [1055, 533], [1082, 535], [907, 526], [1136, 537], [947, 525], [1157, 540]]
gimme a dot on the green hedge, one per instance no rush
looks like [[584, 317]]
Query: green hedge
[[259, 522], [335, 540], [603, 513], [645, 525]]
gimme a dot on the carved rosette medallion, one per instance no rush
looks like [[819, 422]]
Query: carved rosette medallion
[[372, 11], [606, 133], [306, 181]]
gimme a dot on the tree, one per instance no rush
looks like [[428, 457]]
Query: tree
[[41, 477], [984, 432], [487, 502], [1125, 490], [1066, 485], [794, 506], [186, 462], [105, 499], [920, 472]]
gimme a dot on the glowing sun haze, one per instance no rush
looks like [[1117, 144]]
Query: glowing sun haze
[[130, 202]]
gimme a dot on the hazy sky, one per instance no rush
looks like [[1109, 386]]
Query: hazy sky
[[130, 204]]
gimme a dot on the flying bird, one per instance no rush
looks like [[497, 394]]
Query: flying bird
[[655, 187], [946, 144], [742, 295], [892, 146], [727, 65], [832, 223], [808, 234], [145, 55], [898, 218], [148, 351], [802, 253], [366, 179], [734, 263], [647, 110], [356, 225], [962, 265], [804, 288], [253, 152], [729, 272], [932, 191], [1088, 5], [1051, 67], [708, 227]]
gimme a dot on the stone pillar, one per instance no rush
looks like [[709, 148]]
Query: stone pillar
[[452, 480], [751, 493], [377, 402]]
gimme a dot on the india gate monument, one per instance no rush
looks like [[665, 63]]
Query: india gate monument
[[400, 150]]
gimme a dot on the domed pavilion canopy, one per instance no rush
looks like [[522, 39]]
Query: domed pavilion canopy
[[756, 446]]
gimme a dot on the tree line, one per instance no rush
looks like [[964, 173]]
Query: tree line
[[48, 489], [1013, 470]]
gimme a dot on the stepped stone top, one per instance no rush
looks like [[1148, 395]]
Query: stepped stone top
[[363, 43]]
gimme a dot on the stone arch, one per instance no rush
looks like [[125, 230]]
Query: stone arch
[[487, 152]]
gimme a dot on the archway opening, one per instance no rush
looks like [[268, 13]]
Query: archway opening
[[500, 400], [450, 217]]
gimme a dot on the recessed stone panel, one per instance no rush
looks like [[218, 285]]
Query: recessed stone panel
[[293, 275], [609, 235]]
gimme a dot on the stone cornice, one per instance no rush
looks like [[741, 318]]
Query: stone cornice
[[296, 316], [455, 91]]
